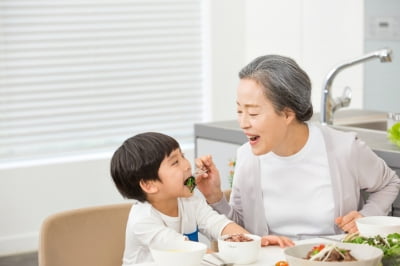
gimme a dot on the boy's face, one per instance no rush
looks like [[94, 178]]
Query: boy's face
[[173, 172]]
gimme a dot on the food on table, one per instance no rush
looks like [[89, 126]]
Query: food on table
[[329, 252], [238, 238], [190, 183], [390, 245]]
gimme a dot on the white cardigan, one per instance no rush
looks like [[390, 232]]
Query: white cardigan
[[353, 167]]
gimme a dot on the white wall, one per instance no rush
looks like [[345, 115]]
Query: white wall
[[227, 51], [31, 193], [318, 34]]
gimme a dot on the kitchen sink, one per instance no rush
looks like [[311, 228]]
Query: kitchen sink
[[380, 125], [361, 119]]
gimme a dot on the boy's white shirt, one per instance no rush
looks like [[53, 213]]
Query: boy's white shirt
[[148, 227]]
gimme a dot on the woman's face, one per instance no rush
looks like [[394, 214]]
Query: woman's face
[[264, 127]]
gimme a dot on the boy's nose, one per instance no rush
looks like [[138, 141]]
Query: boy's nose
[[188, 166]]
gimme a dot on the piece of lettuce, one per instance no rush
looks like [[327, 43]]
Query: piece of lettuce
[[190, 183]]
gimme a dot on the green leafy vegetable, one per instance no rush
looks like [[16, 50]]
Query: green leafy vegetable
[[394, 134], [390, 245], [190, 183]]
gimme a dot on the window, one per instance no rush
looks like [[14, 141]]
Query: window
[[80, 76]]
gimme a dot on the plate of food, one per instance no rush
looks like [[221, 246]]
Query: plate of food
[[333, 254]]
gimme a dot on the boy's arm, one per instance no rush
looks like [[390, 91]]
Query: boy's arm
[[233, 228]]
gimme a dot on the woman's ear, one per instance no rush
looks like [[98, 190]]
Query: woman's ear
[[149, 186], [289, 114]]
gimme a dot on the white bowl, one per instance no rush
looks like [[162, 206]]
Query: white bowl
[[239, 252], [184, 253], [371, 226], [366, 255]]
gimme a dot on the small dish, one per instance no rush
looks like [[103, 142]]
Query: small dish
[[241, 252], [183, 253], [371, 226]]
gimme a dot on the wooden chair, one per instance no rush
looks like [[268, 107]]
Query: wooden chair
[[92, 236]]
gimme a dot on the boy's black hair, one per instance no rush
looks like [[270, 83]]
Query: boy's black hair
[[139, 158]]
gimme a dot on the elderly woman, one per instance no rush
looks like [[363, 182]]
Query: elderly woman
[[293, 177]]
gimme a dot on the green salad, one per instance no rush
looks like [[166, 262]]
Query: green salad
[[390, 245]]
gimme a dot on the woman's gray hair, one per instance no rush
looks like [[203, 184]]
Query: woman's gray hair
[[285, 84]]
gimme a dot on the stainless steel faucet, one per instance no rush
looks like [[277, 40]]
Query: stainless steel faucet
[[328, 104]]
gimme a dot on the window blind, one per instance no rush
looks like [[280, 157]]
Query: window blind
[[81, 76]]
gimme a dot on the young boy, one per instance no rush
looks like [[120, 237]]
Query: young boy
[[151, 168]]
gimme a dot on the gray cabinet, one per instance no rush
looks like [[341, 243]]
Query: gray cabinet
[[221, 140]]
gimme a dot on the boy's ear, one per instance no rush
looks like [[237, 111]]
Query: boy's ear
[[148, 186]]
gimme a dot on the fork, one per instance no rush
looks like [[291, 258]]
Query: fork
[[221, 262], [199, 171]]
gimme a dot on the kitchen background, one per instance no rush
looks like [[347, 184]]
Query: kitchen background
[[317, 34]]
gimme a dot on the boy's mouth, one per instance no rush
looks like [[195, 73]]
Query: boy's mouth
[[190, 183]]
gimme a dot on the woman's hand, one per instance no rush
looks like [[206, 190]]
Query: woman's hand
[[282, 241], [208, 183], [348, 222]]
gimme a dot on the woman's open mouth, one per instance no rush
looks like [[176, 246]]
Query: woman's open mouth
[[253, 139]]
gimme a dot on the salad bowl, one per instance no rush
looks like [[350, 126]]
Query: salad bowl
[[390, 245]]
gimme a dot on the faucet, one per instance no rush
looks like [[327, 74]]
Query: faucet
[[328, 104]]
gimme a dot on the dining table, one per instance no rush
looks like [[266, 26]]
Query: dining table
[[269, 255]]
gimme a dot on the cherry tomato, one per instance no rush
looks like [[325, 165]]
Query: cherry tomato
[[282, 263], [317, 249]]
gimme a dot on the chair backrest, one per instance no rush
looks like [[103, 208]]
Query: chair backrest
[[92, 236]]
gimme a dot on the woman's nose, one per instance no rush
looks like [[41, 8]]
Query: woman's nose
[[243, 121]]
